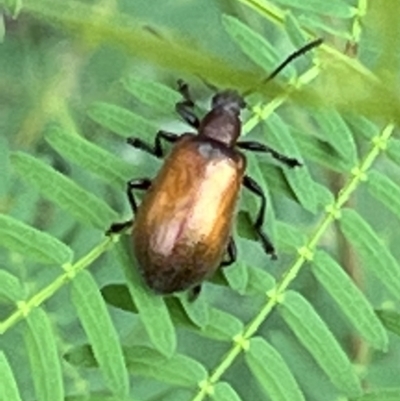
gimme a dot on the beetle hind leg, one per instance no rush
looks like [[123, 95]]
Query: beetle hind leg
[[252, 186]]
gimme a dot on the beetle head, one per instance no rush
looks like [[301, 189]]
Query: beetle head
[[222, 122], [228, 100]]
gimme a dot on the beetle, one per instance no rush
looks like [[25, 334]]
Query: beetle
[[182, 228]]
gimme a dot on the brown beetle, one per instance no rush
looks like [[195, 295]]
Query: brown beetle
[[183, 226]]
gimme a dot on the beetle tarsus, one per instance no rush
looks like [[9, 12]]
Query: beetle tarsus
[[117, 228], [231, 250], [185, 107], [183, 89], [194, 293], [267, 245]]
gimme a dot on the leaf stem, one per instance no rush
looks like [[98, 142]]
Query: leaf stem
[[25, 307]]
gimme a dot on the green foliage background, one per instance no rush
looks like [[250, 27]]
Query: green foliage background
[[321, 323]]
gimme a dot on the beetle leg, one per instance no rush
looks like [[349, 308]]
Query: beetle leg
[[259, 147], [185, 107], [157, 150], [183, 89], [142, 184], [252, 186], [166, 136], [116, 228], [232, 253]]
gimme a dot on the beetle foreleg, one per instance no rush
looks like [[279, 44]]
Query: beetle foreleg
[[232, 253], [259, 147], [252, 186], [185, 107], [157, 150]]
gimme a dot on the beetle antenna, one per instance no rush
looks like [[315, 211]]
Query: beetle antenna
[[293, 56], [306, 48]]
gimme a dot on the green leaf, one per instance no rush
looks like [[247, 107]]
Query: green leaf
[[2, 27], [272, 372], [95, 397], [294, 31], [393, 150], [152, 309], [178, 369], [237, 274], [43, 357], [251, 43], [222, 325], [363, 126], [336, 132], [277, 182], [173, 394], [375, 255], [4, 166], [320, 152], [223, 391], [10, 287], [298, 178], [390, 319], [197, 310], [56, 187], [74, 148], [121, 121], [316, 337], [390, 394], [8, 385], [102, 335], [32, 243], [158, 96], [118, 296], [259, 281], [81, 356], [337, 8], [385, 190], [350, 300], [323, 194], [289, 235], [315, 24], [14, 7]]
